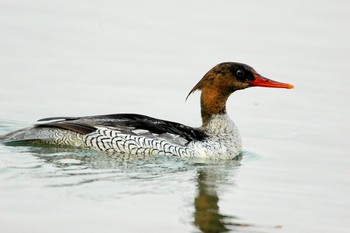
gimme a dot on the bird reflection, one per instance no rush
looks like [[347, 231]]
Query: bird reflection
[[207, 216]]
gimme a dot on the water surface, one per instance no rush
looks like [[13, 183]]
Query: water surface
[[84, 58]]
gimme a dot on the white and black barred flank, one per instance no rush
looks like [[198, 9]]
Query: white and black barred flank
[[136, 134], [123, 133], [109, 140]]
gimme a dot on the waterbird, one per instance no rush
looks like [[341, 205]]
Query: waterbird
[[135, 134]]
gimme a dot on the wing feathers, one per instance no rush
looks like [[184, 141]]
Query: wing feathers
[[125, 123], [75, 127]]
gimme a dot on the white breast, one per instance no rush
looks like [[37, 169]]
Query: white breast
[[224, 140]]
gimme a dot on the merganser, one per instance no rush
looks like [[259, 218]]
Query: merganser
[[135, 134]]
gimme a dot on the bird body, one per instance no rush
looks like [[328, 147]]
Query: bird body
[[218, 137]]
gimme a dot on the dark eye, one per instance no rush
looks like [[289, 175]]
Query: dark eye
[[240, 73]]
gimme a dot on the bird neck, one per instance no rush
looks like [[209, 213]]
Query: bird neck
[[213, 102]]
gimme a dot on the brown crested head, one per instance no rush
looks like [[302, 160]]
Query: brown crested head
[[231, 76], [225, 78]]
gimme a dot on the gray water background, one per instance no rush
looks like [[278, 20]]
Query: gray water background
[[76, 58]]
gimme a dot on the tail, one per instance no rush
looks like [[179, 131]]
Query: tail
[[21, 135], [45, 134]]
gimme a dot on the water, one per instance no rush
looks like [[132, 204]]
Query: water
[[84, 58]]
